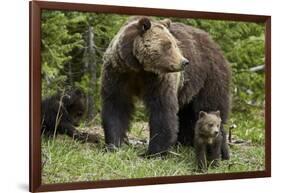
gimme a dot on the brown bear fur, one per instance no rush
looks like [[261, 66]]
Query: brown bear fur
[[148, 59], [208, 139], [62, 112]]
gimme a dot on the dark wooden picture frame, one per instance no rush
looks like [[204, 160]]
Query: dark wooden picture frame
[[36, 7]]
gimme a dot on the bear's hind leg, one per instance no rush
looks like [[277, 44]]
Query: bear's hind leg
[[224, 146], [187, 122]]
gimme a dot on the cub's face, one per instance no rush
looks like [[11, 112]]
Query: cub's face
[[209, 124], [157, 50], [76, 106], [77, 110]]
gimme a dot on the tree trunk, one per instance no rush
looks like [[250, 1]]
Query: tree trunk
[[90, 64], [70, 78]]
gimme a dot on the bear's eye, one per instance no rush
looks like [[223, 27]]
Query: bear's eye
[[167, 45], [211, 124], [79, 114]]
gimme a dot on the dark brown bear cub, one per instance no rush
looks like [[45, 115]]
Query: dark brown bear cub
[[62, 112], [208, 139]]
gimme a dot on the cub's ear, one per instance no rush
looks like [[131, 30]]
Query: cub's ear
[[66, 99], [166, 22], [78, 92], [144, 24], [72, 96], [217, 113], [202, 114]]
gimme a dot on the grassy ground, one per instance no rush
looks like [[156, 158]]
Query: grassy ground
[[66, 160]]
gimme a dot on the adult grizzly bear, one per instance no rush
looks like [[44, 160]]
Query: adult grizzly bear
[[148, 59]]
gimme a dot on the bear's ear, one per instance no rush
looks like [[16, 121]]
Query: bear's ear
[[77, 91], [66, 99], [125, 46], [71, 96], [217, 113], [144, 24], [202, 114], [166, 22]]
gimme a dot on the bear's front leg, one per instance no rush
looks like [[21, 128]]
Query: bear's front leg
[[214, 152], [200, 151], [116, 112], [68, 129], [115, 120], [163, 120]]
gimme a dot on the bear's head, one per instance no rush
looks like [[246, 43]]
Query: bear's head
[[208, 125], [75, 103], [148, 45]]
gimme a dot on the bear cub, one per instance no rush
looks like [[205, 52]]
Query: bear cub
[[208, 139], [61, 114]]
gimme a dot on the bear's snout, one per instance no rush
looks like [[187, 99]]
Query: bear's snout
[[215, 133], [184, 62]]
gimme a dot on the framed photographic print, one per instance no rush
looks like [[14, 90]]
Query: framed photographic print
[[125, 96]]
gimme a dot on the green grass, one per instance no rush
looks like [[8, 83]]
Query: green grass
[[65, 160], [250, 125]]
